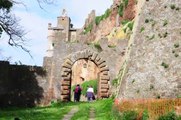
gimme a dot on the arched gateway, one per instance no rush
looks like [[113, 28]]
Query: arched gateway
[[103, 80]]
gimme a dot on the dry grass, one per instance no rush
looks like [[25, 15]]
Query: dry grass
[[155, 107]]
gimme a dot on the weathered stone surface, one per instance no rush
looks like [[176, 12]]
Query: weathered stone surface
[[65, 65], [102, 65], [67, 77], [153, 68], [100, 61], [94, 55], [104, 86], [105, 73], [104, 95], [65, 83], [104, 77], [65, 88], [64, 97], [104, 69], [65, 92], [104, 81], [64, 74], [103, 90], [66, 70]]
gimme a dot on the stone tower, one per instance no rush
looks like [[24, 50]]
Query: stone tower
[[65, 28]]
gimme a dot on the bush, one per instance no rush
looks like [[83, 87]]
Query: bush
[[129, 115], [120, 9], [145, 115], [88, 28], [169, 116], [84, 86], [98, 19]]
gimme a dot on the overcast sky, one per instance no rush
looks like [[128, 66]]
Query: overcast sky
[[35, 22]]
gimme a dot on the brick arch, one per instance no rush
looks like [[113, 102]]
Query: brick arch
[[103, 81]]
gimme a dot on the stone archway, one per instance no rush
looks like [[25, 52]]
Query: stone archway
[[103, 81]]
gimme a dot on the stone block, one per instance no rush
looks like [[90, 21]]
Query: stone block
[[94, 55], [90, 53], [104, 73], [67, 77], [66, 69], [64, 74], [86, 53], [65, 65], [103, 64], [104, 77], [79, 55], [64, 97], [97, 58], [104, 81], [65, 88], [103, 90], [104, 95], [104, 69], [100, 61], [65, 83], [104, 86], [69, 61], [82, 55], [65, 92]]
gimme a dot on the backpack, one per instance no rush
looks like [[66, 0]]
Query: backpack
[[79, 90]]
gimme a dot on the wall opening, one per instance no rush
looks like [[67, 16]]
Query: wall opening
[[85, 73], [85, 61]]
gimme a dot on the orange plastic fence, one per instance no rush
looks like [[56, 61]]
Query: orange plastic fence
[[155, 107]]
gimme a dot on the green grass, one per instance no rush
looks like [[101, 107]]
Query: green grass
[[57, 110], [98, 19], [54, 112]]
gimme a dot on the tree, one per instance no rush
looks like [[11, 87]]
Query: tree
[[9, 24]]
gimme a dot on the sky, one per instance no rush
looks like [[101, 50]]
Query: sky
[[35, 22]]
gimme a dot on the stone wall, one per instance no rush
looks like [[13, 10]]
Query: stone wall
[[63, 50], [21, 85], [154, 69]]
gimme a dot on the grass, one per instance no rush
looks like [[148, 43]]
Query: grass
[[57, 110], [98, 19], [54, 112]]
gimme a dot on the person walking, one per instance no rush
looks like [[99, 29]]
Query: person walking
[[77, 93], [90, 94]]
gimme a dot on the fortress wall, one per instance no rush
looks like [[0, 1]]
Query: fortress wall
[[21, 85], [154, 69], [63, 50]]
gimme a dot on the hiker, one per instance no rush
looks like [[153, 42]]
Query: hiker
[[90, 94], [77, 93]]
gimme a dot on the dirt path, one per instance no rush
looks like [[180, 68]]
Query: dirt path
[[69, 115], [92, 114]]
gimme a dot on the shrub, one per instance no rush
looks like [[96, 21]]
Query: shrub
[[120, 9], [142, 29], [98, 19], [172, 6], [125, 3], [176, 45], [88, 28], [124, 22], [169, 116], [145, 115], [130, 25], [84, 86], [164, 65], [115, 82], [129, 115]]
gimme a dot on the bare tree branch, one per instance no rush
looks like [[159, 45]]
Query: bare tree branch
[[10, 25]]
